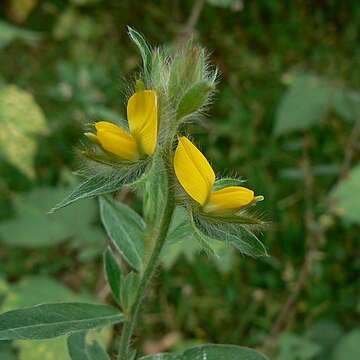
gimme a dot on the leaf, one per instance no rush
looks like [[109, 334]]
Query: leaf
[[129, 287], [154, 194], [144, 48], [347, 103], [304, 104], [348, 347], [235, 231], [211, 352], [125, 229], [47, 321], [80, 349], [293, 347], [345, 199], [17, 137], [194, 98], [10, 33], [223, 183], [32, 227], [109, 181], [113, 273], [34, 290]]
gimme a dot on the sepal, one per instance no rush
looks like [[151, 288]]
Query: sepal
[[239, 230], [107, 179], [194, 98]]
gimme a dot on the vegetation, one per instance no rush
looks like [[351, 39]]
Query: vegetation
[[286, 116]]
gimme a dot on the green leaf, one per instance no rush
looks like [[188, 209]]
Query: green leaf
[[129, 287], [348, 347], [154, 194], [194, 98], [211, 352], [34, 290], [47, 321], [32, 227], [144, 48], [113, 273], [345, 199], [304, 104], [125, 229], [18, 142], [347, 103], [237, 231], [293, 347], [109, 181], [80, 349], [10, 33], [180, 226]]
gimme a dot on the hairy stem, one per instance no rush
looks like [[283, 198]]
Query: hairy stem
[[129, 326]]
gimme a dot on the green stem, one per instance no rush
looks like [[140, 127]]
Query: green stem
[[129, 326]]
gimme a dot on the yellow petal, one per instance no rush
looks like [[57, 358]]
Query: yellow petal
[[119, 143], [232, 197], [193, 171], [105, 125], [142, 115]]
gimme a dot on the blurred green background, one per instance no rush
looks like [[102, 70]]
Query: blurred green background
[[286, 117]]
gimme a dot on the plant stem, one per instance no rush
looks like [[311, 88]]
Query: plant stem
[[129, 326]]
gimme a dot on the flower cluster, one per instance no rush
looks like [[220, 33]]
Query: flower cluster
[[150, 153], [192, 169]]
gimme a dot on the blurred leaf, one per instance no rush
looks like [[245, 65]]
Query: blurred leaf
[[34, 290], [80, 349], [73, 22], [293, 347], [304, 104], [19, 10], [211, 352], [48, 321], [7, 352], [345, 197], [187, 247], [236, 4], [348, 347], [326, 333], [125, 229], [34, 227], [10, 33], [346, 103], [113, 273], [17, 137]]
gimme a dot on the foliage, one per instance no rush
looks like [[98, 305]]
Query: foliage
[[71, 60]]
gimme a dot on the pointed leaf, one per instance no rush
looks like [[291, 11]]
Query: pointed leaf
[[144, 48], [113, 273], [47, 321], [240, 234], [109, 181], [125, 229]]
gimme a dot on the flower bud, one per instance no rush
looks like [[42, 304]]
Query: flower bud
[[194, 98]]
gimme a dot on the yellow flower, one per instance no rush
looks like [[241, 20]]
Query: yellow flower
[[197, 177], [142, 117]]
